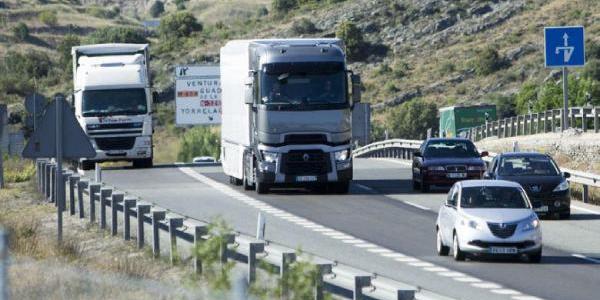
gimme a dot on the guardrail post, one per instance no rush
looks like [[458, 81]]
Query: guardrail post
[[142, 209], [174, 223], [73, 181], [97, 173], [52, 197], [47, 180], [65, 179], [583, 120], [104, 194], [596, 123], [253, 249], [115, 199], [199, 231], [81, 185], [94, 188], [287, 258], [572, 122], [227, 239], [157, 216], [128, 204], [360, 281], [585, 195], [322, 269], [4, 288]]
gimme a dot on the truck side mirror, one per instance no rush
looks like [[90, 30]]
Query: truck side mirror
[[249, 91], [355, 80]]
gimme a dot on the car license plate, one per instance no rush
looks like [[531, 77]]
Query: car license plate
[[503, 250], [457, 175], [306, 178], [541, 209]]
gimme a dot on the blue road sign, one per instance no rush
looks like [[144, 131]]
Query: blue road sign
[[564, 46]]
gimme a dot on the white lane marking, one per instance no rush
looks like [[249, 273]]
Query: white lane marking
[[415, 205], [597, 261], [524, 297], [585, 209], [506, 292], [225, 189], [486, 285], [364, 187]]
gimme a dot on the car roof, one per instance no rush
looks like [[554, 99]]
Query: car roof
[[523, 154], [489, 183]]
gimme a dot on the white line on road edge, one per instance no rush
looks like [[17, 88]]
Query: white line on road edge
[[585, 209], [399, 257], [597, 261], [415, 205]]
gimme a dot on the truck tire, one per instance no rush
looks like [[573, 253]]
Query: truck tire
[[87, 165], [260, 187], [247, 185], [143, 163]]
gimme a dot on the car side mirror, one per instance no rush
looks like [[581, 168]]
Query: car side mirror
[[417, 153], [566, 174], [484, 153], [356, 92], [249, 91]]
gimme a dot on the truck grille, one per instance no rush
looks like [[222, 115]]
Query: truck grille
[[305, 139], [115, 143], [456, 168], [309, 162], [502, 230]]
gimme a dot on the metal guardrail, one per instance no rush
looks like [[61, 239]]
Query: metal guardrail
[[177, 235], [583, 118], [404, 149]]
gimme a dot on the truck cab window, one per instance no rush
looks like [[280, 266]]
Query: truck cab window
[[114, 102]]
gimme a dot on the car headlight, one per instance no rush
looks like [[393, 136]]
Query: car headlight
[[436, 168], [342, 155], [562, 186], [530, 224], [471, 223], [270, 157], [476, 168]]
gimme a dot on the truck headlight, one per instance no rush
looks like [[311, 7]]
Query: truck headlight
[[436, 168], [270, 157], [530, 224], [562, 186], [342, 155]]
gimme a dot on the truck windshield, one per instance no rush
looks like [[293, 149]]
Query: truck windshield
[[303, 84], [114, 102]]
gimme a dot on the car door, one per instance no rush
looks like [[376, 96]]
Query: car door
[[449, 214]]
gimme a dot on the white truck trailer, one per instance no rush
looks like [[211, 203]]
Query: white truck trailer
[[286, 113], [113, 101]]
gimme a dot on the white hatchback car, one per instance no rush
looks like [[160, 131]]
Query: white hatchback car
[[488, 217]]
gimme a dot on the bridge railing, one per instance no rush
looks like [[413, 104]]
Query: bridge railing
[[404, 149], [584, 118]]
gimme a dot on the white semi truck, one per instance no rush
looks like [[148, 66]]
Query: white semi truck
[[286, 113], [113, 101]]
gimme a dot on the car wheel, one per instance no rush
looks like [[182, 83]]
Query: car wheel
[[535, 257], [458, 254], [415, 185], [442, 249], [565, 215]]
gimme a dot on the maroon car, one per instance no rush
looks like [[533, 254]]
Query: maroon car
[[444, 161]]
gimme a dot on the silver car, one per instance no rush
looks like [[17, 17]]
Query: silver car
[[488, 217]]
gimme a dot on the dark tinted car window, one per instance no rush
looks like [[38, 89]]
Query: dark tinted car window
[[492, 197], [450, 148], [525, 166]]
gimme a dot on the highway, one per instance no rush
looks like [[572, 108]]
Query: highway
[[382, 226]]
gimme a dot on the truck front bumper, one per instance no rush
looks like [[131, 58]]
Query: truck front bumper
[[141, 149]]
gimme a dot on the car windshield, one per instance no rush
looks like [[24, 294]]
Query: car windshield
[[523, 166], [450, 148], [114, 102], [299, 84], [493, 197]]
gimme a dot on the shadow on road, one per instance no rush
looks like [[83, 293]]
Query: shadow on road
[[394, 186], [546, 260]]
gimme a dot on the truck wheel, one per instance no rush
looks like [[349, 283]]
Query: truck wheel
[[143, 163], [247, 185], [87, 165], [260, 187], [235, 181], [341, 187], [565, 215]]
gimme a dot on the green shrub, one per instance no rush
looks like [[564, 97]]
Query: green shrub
[[216, 273], [178, 24], [117, 35], [304, 26], [48, 17], [103, 13], [352, 37], [180, 4], [17, 169], [505, 105], [157, 8], [283, 7], [592, 69], [199, 141], [488, 61], [64, 51], [526, 97], [262, 11], [582, 91], [21, 32], [20, 69], [447, 67], [411, 119], [400, 69]]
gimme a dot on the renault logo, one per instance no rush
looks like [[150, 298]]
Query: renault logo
[[502, 225], [305, 157]]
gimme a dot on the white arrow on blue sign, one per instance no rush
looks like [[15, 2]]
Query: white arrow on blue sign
[[564, 46]]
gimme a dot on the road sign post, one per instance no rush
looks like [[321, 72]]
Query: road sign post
[[564, 47]]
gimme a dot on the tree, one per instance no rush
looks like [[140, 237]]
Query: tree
[[526, 98], [411, 119], [352, 37], [199, 141], [488, 61], [117, 35], [283, 7], [178, 25], [505, 105], [157, 8], [21, 32], [64, 51]]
